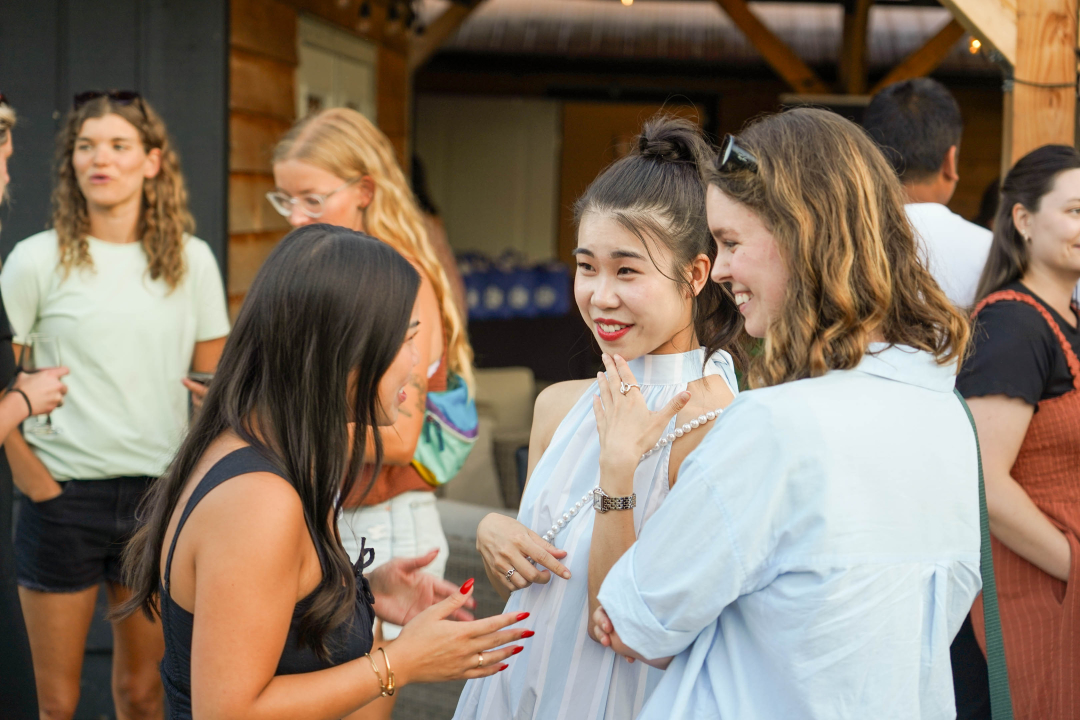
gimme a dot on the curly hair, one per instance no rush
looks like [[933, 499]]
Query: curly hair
[[165, 218], [345, 143], [836, 209]]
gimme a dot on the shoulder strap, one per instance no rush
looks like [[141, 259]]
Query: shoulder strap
[[1000, 699], [238, 462], [1070, 356]]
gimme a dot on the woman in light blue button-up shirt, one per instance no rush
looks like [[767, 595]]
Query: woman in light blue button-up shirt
[[821, 546]]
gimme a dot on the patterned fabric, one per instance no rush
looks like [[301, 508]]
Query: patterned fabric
[[563, 673], [1040, 615]]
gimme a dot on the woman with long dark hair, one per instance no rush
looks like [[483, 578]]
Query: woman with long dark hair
[[821, 547], [336, 167], [642, 286], [134, 302], [263, 613], [1022, 382]]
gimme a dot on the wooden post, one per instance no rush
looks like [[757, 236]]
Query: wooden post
[[1044, 79], [853, 52]]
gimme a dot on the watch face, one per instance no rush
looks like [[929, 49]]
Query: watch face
[[598, 500]]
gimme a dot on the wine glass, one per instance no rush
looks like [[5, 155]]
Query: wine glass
[[40, 353]]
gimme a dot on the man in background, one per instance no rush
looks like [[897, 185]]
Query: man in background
[[918, 126]]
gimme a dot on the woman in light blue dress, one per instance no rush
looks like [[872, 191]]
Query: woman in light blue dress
[[643, 259]]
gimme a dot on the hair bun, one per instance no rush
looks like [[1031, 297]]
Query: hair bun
[[671, 139]]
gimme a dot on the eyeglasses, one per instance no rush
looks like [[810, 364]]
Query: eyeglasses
[[120, 97], [313, 205], [735, 157]]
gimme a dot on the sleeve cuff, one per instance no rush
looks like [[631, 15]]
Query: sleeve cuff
[[633, 620]]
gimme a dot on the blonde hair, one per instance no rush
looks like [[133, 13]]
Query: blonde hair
[[165, 218], [7, 121], [836, 209], [345, 143]]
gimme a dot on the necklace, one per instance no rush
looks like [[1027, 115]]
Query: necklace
[[660, 444]]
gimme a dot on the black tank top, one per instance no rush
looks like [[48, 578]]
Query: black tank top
[[347, 642]]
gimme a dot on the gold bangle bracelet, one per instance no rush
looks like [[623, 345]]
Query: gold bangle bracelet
[[382, 688], [390, 673]]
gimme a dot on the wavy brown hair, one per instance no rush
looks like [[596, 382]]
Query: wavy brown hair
[[836, 209], [165, 218], [346, 144]]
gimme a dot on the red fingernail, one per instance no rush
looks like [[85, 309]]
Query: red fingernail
[[517, 649], [466, 586], [502, 667], [527, 633], [521, 616]]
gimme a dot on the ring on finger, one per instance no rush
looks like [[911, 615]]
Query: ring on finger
[[510, 573], [480, 660], [625, 387]]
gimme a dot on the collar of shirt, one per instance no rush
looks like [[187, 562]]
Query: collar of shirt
[[907, 365]]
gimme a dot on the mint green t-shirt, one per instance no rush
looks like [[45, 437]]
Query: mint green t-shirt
[[128, 341]]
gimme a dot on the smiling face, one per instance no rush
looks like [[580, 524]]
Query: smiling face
[[111, 163], [747, 258], [344, 208], [392, 384], [1054, 230], [630, 306]]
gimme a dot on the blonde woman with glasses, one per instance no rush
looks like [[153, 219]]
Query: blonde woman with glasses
[[336, 167], [135, 303]]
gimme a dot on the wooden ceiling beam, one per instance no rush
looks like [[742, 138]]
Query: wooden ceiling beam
[[992, 21], [853, 51], [776, 53], [924, 60], [423, 46]]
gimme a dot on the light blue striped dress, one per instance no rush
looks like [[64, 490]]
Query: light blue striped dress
[[562, 673]]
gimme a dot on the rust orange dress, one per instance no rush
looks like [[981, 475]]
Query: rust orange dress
[[1040, 614]]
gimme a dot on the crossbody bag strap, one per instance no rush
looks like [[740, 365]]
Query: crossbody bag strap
[[1000, 699]]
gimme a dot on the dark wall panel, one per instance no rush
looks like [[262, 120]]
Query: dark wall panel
[[175, 52]]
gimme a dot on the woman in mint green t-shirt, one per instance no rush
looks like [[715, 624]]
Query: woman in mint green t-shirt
[[136, 303]]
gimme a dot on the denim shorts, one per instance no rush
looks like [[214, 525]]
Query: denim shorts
[[74, 541], [407, 525]]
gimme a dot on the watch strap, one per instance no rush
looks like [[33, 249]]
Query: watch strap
[[603, 502]]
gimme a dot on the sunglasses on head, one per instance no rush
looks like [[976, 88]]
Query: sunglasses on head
[[4, 99], [120, 97], [734, 157]]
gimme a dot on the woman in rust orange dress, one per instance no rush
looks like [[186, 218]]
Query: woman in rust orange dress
[[1023, 385]]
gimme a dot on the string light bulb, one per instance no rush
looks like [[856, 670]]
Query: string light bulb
[[973, 48], [627, 3]]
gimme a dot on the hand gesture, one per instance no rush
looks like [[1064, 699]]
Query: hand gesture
[[403, 590], [434, 649], [43, 389], [604, 633], [504, 543], [198, 393], [627, 427]]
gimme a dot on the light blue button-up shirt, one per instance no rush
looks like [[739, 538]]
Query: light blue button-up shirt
[[817, 555]]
